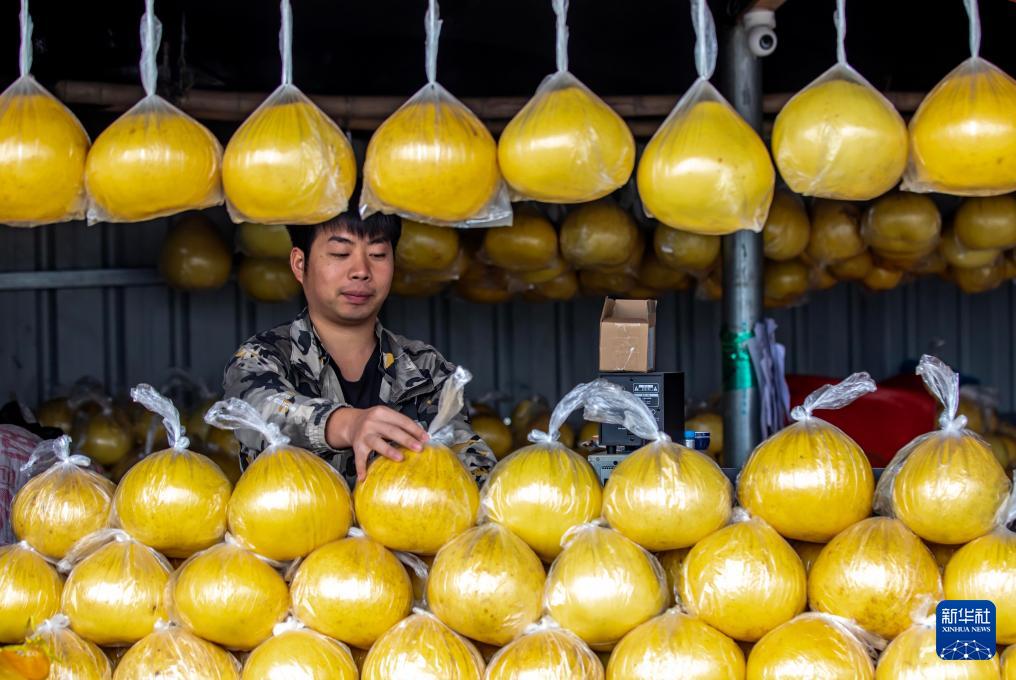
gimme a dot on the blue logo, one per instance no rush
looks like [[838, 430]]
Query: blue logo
[[965, 630]]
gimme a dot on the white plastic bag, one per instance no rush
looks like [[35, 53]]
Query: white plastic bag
[[42, 149], [154, 160], [288, 163], [839, 137], [565, 145], [680, 180], [963, 135], [433, 160]]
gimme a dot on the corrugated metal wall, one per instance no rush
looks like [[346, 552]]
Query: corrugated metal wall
[[123, 336]]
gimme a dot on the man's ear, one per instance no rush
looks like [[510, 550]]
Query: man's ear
[[297, 263]]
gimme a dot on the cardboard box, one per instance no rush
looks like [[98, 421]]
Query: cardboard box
[[628, 335]]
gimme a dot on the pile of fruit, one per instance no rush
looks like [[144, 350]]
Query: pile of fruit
[[542, 573]]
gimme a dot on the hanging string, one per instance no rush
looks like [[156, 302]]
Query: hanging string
[[151, 37], [433, 25], [286, 43], [25, 56], [705, 39], [561, 10], [975, 26], [840, 17]]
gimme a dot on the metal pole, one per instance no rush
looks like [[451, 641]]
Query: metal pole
[[742, 270]]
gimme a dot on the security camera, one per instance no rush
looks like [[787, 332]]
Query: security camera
[[760, 25]]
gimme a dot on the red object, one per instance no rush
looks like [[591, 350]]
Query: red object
[[882, 422]]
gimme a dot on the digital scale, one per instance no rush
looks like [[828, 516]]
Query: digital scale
[[663, 394]]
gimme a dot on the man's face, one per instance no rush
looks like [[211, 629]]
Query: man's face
[[345, 278]]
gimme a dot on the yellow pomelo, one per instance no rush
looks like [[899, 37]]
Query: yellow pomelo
[[153, 161], [495, 433], [785, 282], [671, 561], [666, 496], [840, 139], [484, 284], [288, 163], [173, 501], [809, 481], [856, 268], [676, 645], [835, 232], [288, 502], [229, 596], [540, 492], [942, 553], [963, 136], [986, 223], [268, 279], [72, 657], [566, 146], [985, 569], [787, 228], [56, 413], [563, 287], [262, 240], [546, 273], [486, 584], [419, 503], [902, 225], [602, 585], [875, 573], [810, 646], [598, 234], [529, 244], [979, 279], [58, 507], [960, 256], [882, 278], [433, 158], [422, 648], [352, 590], [176, 653], [115, 595], [744, 580], [29, 592], [707, 171], [1009, 663], [103, 438], [913, 656], [654, 274], [949, 488], [545, 655], [42, 157], [808, 552], [684, 250], [426, 247], [194, 256], [300, 655]]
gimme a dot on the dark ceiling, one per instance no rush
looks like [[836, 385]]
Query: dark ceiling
[[488, 47]]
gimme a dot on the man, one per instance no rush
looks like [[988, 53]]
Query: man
[[334, 380]]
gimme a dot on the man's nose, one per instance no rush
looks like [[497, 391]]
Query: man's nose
[[359, 266]]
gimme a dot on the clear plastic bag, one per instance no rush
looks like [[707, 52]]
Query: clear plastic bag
[[62, 504], [421, 502], [603, 585], [486, 584], [116, 588], [216, 589], [668, 645], [545, 650], [295, 652], [874, 573], [565, 145], [839, 137], [787, 227], [828, 646], [29, 591], [946, 486], [288, 501], [810, 481], [744, 580], [433, 160], [71, 656], [353, 590], [42, 165], [963, 135], [422, 648], [154, 160], [680, 180], [984, 570], [914, 654], [902, 226], [1009, 663], [663, 496], [288, 163], [542, 490], [172, 652], [174, 500]]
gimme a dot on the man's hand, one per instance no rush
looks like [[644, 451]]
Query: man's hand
[[373, 429]]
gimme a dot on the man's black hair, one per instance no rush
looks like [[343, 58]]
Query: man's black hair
[[378, 225]]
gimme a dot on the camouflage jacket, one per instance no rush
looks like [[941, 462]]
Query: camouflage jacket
[[288, 376]]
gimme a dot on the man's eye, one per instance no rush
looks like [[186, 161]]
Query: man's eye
[[379, 256], [339, 254]]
